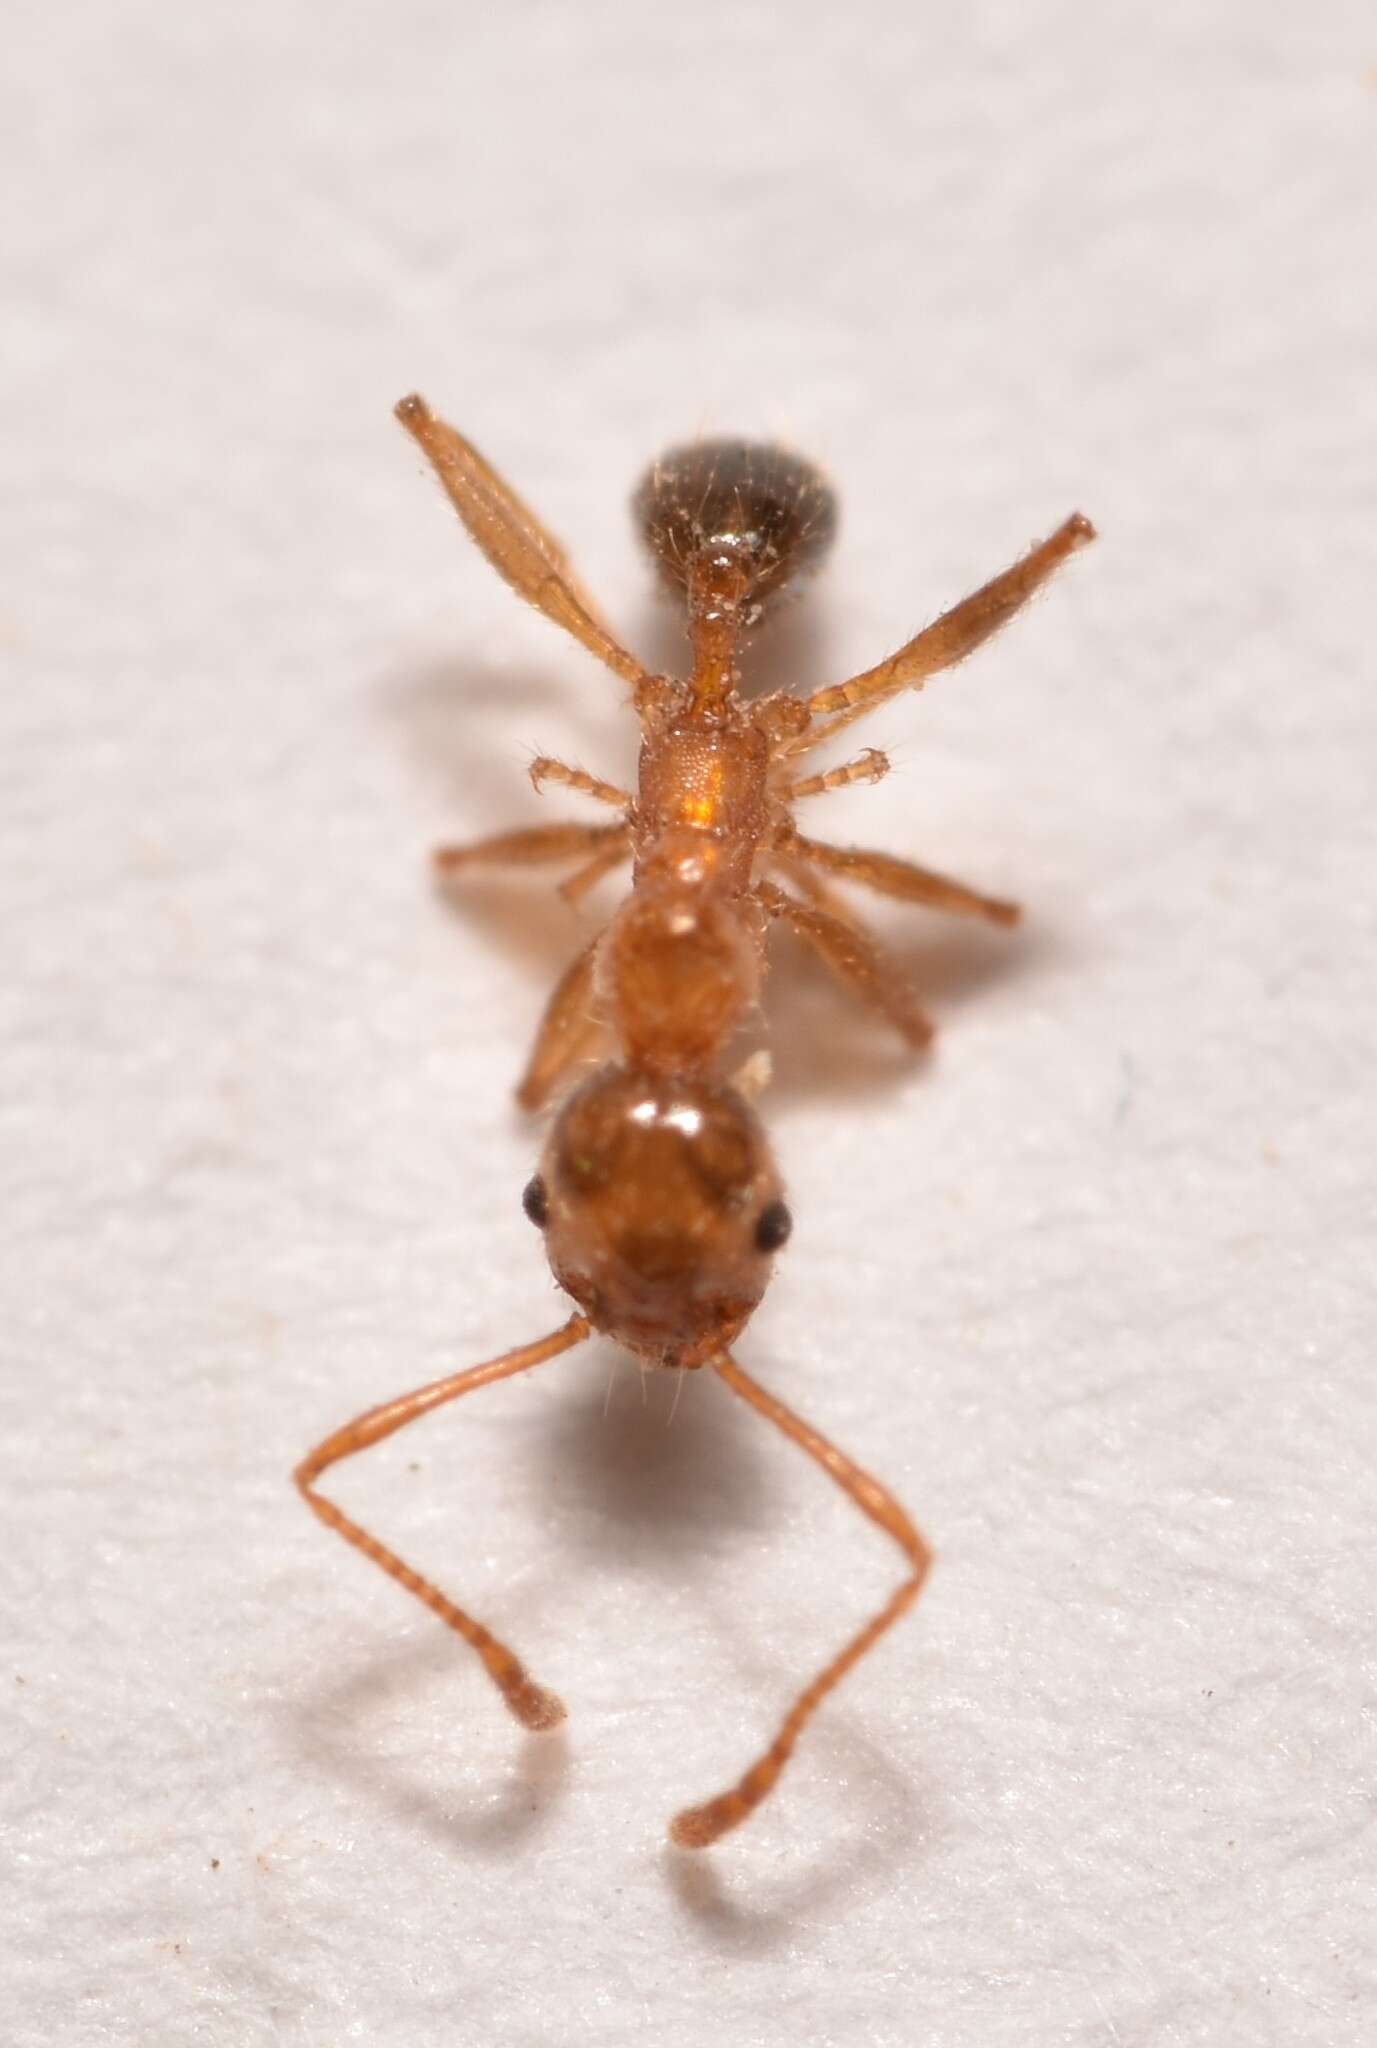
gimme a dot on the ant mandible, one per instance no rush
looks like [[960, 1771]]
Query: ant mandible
[[657, 1193]]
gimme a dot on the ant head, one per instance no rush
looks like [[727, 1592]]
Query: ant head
[[661, 1207]]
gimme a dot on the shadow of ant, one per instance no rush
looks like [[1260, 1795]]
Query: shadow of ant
[[337, 1726], [888, 1824], [663, 1471], [660, 1461], [834, 1050]]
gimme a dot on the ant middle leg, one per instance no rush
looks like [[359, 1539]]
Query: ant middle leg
[[530, 846], [903, 879], [545, 768], [868, 766], [806, 879], [604, 862]]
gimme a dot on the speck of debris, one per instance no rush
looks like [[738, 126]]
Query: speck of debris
[[215, 1862]]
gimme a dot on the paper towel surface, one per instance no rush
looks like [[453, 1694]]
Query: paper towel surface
[[1092, 1288]]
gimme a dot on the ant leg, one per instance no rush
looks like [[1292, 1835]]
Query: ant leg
[[869, 766], [947, 640], [512, 538], [567, 1031], [529, 1702], [530, 846], [546, 769], [805, 878], [611, 856], [697, 1826], [855, 958], [905, 879]]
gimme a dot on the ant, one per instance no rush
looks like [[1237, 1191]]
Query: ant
[[657, 1193]]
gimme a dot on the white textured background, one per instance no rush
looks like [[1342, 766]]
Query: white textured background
[[1094, 1289]]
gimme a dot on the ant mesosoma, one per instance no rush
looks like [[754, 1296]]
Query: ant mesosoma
[[657, 1193]]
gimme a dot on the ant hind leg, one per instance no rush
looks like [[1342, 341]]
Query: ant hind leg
[[945, 642], [522, 551]]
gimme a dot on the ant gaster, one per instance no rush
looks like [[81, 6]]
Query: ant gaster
[[657, 1192]]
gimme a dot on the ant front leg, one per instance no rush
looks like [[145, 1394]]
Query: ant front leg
[[532, 1705], [698, 1826], [568, 1032], [846, 947]]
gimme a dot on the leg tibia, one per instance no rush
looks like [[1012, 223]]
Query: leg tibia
[[905, 880], [530, 846], [568, 1032], [856, 960]]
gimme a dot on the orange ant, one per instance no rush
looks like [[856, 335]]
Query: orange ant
[[657, 1193]]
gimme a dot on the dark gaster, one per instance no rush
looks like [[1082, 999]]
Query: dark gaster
[[769, 512]]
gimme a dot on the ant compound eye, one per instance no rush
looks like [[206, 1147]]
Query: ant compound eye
[[536, 1202], [773, 1226]]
